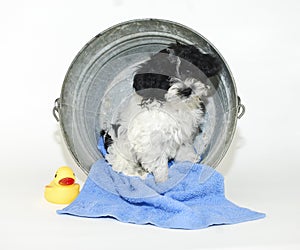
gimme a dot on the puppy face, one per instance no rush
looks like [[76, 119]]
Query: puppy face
[[188, 89]]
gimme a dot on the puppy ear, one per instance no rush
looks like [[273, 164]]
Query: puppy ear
[[151, 85]]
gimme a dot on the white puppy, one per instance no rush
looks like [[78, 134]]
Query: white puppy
[[150, 134], [162, 117]]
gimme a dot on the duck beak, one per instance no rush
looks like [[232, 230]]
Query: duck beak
[[66, 181]]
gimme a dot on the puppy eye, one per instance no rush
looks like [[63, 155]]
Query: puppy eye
[[185, 92]]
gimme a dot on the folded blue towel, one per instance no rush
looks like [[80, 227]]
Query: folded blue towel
[[192, 198]]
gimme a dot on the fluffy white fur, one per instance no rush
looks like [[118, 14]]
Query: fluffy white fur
[[156, 131]]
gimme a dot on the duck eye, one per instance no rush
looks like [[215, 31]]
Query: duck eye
[[55, 175]]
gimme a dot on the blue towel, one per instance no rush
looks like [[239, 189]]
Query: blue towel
[[192, 198]]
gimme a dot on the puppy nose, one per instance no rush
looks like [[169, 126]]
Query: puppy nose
[[186, 92]]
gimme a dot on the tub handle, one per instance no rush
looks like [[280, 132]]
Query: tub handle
[[55, 110], [241, 109]]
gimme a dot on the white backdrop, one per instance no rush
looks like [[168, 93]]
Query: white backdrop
[[260, 40]]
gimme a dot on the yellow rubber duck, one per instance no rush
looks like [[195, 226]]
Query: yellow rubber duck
[[63, 189]]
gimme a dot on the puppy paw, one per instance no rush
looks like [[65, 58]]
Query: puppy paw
[[160, 174]]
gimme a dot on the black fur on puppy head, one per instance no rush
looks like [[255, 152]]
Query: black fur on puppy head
[[154, 77]]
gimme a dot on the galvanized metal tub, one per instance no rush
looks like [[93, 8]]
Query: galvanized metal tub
[[100, 77]]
